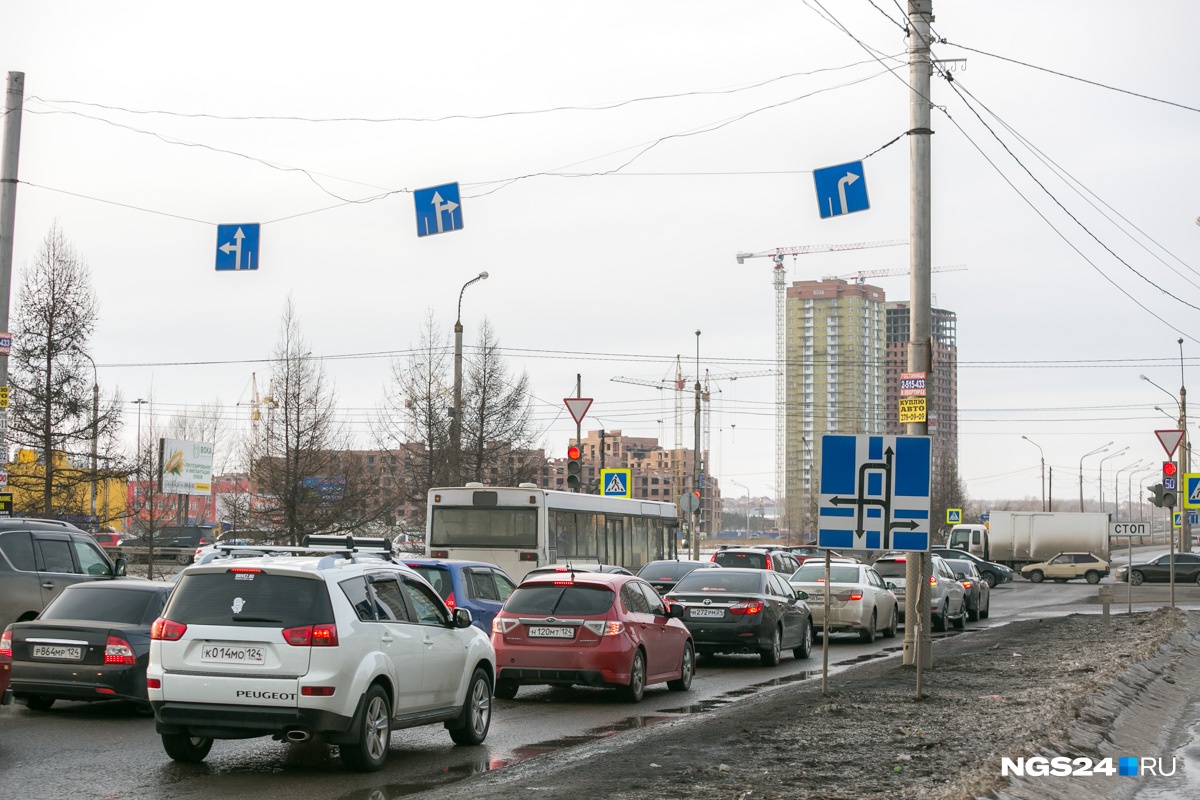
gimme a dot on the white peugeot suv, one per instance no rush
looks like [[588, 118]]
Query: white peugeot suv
[[346, 646]]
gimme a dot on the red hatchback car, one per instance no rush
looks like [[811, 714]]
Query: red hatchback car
[[594, 629]]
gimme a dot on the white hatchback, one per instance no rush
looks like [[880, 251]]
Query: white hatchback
[[344, 646]]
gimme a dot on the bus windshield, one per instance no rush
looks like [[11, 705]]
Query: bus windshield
[[483, 527]]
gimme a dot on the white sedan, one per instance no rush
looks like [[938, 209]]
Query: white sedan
[[859, 600]]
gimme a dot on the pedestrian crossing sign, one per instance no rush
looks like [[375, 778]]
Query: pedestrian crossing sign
[[1191, 490], [615, 483], [953, 516]]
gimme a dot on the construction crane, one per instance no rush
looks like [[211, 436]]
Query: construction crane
[[680, 386], [861, 276], [780, 282]]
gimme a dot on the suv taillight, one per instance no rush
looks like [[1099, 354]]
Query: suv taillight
[[6, 644], [118, 651], [768, 563], [167, 630], [311, 636]]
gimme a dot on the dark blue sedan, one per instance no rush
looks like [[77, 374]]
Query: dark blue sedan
[[477, 586]]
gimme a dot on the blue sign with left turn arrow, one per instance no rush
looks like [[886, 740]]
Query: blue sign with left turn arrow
[[237, 247], [874, 493]]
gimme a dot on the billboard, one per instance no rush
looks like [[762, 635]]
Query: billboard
[[184, 467]]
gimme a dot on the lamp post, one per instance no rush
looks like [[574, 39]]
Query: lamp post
[[456, 420], [1100, 477], [1102, 449], [1117, 491], [95, 426], [1147, 472], [1043, 457]]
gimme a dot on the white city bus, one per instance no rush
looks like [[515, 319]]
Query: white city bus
[[525, 527]]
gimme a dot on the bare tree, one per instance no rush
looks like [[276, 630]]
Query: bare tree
[[414, 423], [947, 489], [499, 439], [307, 478], [51, 380]]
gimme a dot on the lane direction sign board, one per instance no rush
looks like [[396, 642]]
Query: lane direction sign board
[[841, 189], [439, 209], [616, 483], [237, 247], [1170, 440], [874, 493], [578, 406]]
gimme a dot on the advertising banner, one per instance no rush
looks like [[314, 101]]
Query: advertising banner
[[184, 467]]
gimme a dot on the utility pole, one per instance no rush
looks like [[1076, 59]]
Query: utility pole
[[1185, 527], [696, 462], [918, 643], [14, 100]]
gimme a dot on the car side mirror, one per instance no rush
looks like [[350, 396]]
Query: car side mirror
[[675, 610], [889, 585], [120, 567], [462, 618], [801, 594], [962, 576]]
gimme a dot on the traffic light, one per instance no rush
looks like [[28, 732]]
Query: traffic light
[[574, 468], [1156, 495], [1170, 483]]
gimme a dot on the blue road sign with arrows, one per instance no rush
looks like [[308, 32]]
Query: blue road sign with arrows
[[439, 209], [874, 493], [237, 247], [841, 189]]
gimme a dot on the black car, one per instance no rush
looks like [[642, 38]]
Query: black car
[[743, 611], [663, 575], [994, 574], [91, 643], [779, 561], [1158, 570]]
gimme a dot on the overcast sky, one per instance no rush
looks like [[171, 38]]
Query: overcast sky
[[613, 159]]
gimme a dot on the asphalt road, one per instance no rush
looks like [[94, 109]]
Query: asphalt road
[[106, 750]]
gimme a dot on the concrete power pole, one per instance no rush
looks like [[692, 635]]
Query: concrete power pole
[[14, 101], [917, 639], [696, 461]]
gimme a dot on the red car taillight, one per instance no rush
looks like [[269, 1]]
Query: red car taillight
[[768, 563], [746, 607], [849, 594], [167, 630], [602, 627], [311, 636], [118, 651], [933, 580], [6, 644], [503, 625], [966, 584]]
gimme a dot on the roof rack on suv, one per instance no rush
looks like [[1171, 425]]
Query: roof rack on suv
[[334, 548]]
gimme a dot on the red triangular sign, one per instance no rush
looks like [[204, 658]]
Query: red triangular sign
[[1170, 441], [578, 406]]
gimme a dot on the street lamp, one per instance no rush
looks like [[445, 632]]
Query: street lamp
[[1149, 472], [1043, 457], [1117, 491], [1100, 478], [456, 420], [1102, 449]]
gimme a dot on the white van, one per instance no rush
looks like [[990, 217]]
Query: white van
[[969, 537]]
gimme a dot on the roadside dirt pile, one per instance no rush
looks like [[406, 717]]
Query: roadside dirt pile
[[1039, 687]]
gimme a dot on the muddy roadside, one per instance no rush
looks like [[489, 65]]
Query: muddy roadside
[[1075, 685]]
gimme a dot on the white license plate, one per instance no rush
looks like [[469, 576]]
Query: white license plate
[[708, 612], [232, 654], [58, 652], [552, 633]]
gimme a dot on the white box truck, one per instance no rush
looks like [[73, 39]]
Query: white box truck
[[1016, 538]]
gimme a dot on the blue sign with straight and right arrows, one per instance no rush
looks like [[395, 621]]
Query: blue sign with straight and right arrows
[[439, 209], [875, 493]]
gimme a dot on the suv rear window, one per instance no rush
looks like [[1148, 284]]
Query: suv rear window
[[891, 569], [249, 598], [747, 560], [549, 599]]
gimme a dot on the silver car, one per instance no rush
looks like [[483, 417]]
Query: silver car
[[947, 598], [859, 600]]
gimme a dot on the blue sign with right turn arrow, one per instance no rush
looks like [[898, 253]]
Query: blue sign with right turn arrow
[[874, 493], [841, 189]]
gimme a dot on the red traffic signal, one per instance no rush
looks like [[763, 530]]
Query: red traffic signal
[[573, 452], [574, 468], [1169, 468]]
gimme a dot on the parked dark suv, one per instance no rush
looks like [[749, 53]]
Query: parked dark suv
[[40, 557], [757, 558]]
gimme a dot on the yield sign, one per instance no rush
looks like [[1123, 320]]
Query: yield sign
[[1170, 441], [578, 406]]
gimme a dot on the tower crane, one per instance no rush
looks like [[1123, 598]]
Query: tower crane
[[861, 276], [780, 282], [679, 386]]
